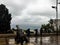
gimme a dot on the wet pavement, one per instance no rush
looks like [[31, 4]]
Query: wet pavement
[[50, 40]]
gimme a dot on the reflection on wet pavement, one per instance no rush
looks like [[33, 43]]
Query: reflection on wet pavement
[[45, 41]]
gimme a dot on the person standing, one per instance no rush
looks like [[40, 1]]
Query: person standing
[[28, 34], [17, 35], [36, 35]]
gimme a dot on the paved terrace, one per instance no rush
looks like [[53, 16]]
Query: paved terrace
[[7, 37]]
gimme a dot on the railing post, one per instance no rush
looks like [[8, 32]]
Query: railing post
[[7, 41]]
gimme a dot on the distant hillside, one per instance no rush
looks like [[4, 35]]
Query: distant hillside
[[32, 27]]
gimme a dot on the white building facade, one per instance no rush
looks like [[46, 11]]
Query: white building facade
[[56, 22]]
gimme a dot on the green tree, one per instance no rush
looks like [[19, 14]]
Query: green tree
[[43, 29], [5, 19], [51, 25], [47, 28]]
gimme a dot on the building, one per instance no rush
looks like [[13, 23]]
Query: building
[[56, 22]]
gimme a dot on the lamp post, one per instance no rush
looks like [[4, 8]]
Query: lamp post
[[56, 7]]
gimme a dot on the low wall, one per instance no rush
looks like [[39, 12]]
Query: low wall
[[4, 38]]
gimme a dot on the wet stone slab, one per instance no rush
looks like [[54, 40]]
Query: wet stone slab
[[45, 41]]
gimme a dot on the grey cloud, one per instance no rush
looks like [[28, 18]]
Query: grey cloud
[[14, 9], [26, 22], [50, 14], [32, 21]]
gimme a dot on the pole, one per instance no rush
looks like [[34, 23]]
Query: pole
[[56, 9], [57, 22]]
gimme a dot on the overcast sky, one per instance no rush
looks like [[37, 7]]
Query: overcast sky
[[30, 13]]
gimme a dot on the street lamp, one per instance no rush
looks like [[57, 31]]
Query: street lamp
[[56, 7]]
